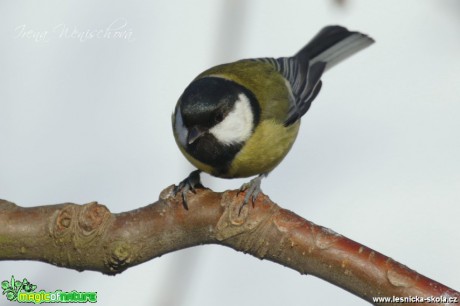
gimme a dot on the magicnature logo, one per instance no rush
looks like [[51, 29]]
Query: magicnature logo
[[24, 292]]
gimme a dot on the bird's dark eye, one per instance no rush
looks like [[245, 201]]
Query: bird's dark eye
[[219, 117]]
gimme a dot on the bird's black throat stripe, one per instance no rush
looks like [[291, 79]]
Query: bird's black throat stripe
[[210, 151]]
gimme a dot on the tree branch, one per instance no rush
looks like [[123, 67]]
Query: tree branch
[[90, 237]]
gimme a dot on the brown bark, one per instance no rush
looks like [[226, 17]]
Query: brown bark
[[90, 237]]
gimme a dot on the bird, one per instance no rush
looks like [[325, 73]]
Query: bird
[[240, 119]]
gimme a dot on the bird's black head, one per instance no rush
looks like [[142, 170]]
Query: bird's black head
[[213, 119], [207, 101]]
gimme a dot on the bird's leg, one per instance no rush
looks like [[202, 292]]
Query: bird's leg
[[252, 190], [192, 182]]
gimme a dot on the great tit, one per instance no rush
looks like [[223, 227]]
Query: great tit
[[241, 119]]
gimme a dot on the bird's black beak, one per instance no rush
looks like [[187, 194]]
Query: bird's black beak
[[194, 133]]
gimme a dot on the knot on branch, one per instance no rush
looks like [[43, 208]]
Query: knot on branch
[[79, 225], [247, 225], [121, 256], [7, 205]]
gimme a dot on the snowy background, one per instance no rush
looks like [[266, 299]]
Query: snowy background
[[377, 158]]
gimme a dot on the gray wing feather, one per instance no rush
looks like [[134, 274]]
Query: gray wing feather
[[304, 80]]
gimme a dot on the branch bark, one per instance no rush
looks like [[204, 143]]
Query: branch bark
[[90, 237]]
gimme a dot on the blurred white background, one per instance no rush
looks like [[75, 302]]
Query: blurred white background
[[377, 158]]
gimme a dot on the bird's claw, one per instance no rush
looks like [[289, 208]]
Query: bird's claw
[[252, 191], [190, 183]]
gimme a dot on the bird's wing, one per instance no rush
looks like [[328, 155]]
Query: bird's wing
[[304, 80]]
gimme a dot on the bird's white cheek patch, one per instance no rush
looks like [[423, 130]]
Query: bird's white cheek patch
[[180, 128], [237, 126]]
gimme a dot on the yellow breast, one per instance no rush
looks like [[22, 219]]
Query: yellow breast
[[266, 148]]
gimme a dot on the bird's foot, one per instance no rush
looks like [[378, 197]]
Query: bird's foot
[[192, 182], [252, 189]]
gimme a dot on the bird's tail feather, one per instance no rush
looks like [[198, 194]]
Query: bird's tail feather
[[332, 45]]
